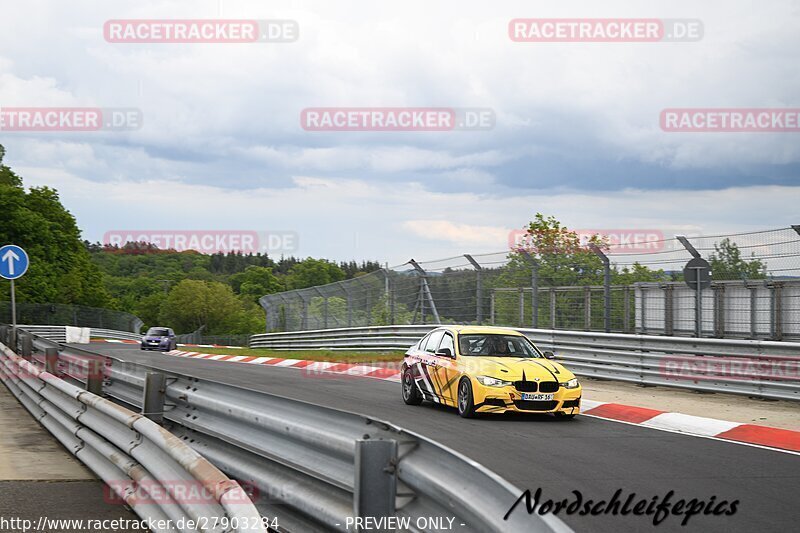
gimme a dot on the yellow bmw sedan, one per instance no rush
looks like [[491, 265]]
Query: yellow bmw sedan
[[487, 370]]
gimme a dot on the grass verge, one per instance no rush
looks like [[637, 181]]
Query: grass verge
[[341, 356]]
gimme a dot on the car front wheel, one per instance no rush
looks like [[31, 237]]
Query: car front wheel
[[466, 404], [411, 394]]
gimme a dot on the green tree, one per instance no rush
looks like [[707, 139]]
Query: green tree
[[60, 267], [194, 303], [727, 263], [255, 282], [311, 272]]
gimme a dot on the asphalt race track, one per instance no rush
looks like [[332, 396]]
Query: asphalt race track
[[593, 456]]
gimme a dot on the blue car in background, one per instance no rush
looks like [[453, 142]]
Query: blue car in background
[[158, 338]]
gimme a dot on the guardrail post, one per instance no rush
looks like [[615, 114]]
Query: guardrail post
[[94, 376], [12, 338], [26, 345], [153, 396], [51, 361], [376, 478]]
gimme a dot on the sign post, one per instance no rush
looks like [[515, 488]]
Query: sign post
[[697, 274], [13, 264]]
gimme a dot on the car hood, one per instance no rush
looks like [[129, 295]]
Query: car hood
[[513, 368], [151, 338]]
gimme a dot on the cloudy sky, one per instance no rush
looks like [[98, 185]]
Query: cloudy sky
[[577, 130]]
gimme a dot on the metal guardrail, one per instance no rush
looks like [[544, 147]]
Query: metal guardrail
[[763, 369], [147, 467], [314, 468], [114, 334], [59, 333]]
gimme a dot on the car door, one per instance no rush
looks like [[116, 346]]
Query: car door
[[429, 381], [446, 373]]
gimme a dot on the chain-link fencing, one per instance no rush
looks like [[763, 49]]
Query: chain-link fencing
[[563, 281], [70, 315]]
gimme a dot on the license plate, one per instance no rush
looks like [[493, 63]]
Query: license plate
[[536, 397]]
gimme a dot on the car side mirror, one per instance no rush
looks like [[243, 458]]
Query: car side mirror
[[444, 352], [549, 355]]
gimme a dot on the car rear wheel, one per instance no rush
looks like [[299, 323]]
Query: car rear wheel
[[411, 394], [466, 405]]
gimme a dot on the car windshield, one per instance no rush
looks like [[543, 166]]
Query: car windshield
[[496, 345], [157, 332]]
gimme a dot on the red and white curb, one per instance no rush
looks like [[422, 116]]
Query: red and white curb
[[386, 373], [739, 432], [126, 341], [784, 440]]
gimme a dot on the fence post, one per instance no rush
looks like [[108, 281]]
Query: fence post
[[521, 302], [606, 285], [552, 308], [626, 309], [777, 311], [698, 297], [426, 291], [491, 307], [478, 289], [587, 308], [719, 310], [534, 287], [304, 313], [753, 313], [153, 396], [376, 478], [669, 309]]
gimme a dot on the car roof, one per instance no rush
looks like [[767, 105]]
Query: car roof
[[467, 330]]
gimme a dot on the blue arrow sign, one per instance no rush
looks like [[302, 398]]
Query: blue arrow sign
[[13, 262]]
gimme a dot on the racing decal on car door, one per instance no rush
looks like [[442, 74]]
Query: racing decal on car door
[[425, 383]]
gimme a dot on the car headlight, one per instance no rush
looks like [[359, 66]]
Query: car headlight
[[493, 382], [571, 384]]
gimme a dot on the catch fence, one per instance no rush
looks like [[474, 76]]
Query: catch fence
[[556, 283]]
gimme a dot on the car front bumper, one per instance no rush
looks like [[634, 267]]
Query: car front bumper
[[509, 399]]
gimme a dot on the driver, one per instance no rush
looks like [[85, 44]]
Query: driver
[[501, 347]]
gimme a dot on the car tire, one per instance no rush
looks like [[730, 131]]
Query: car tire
[[411, 394], [466, 403]]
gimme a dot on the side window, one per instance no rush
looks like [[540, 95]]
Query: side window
[[433, 341], [423, 342], [447, 342]]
